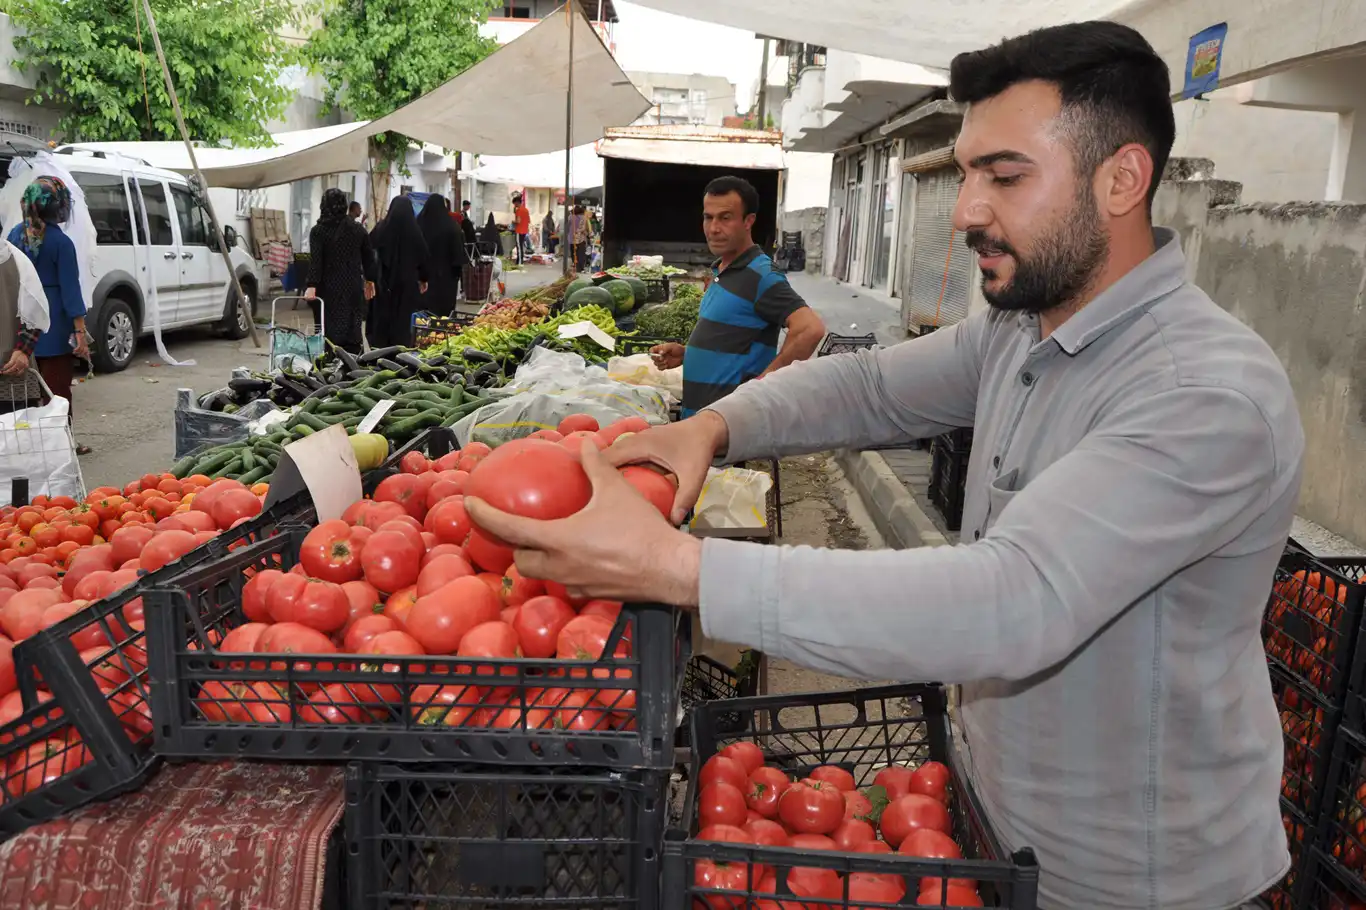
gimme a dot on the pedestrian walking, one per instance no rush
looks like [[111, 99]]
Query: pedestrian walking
[[490, 240], [579, 233], [341, 271], [467, 225], [446, 255], [521, 222], [403, 259], [548, 237]]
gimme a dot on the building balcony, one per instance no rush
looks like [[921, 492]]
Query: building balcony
[[506, 30]]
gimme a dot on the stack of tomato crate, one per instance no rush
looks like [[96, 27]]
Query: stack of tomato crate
[[1312, 632]]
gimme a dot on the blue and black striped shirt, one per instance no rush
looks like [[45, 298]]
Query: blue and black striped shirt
[[736, 337]]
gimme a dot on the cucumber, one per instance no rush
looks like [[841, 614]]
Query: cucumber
[[311, 421], [181, 469], [334, 407], [215, 460], [256, 475], [248, 460], [302, 430], [232, 467], [413, 424]]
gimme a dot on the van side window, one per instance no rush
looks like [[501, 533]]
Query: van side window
[[108, 204], [158, 212], [137, 210], [192, 230]]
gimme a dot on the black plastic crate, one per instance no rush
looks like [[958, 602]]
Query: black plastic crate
[[1288, 893], [1309, 727], [97, 726], [1341, 836], [949, 456], [1312, 622], [1330, 886], [706, 680], [399, 717], [658, 288], [862, 730], [845, 344], [430, 329], [458, 837]]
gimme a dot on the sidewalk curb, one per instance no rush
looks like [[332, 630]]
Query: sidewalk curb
[[899, 518]]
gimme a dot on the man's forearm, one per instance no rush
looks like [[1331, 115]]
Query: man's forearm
[[797, 346]]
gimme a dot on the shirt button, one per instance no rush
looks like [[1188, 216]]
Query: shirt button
[[976, 535], [1027, 378]]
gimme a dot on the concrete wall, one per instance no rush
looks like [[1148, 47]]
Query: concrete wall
[[1296, 274], [811, 222]]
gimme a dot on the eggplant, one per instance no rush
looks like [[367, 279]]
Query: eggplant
[[474, 355], [405, 372], [378, 354], [249, 384]]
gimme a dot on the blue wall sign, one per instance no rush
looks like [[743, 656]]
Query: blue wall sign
[[1203, 59]]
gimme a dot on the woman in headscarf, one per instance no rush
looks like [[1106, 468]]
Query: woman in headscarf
[[403, 259], [341, 271], [548, 233], [46, 205], [446, 255], [490, 243]]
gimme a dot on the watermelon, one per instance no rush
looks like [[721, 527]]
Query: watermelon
[[624, 298], [590, 296], [577, 284], [639, 288]]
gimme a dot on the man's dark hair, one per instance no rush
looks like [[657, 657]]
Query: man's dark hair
[[354, 206], [1115, 88], [749, 196]]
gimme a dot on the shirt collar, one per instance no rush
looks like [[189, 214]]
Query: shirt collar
[[1154, 278], [741, 261]]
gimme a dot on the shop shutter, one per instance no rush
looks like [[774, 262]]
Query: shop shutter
[[936, 249]]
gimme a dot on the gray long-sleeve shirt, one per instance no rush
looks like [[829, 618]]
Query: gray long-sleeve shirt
[[1132, 482]]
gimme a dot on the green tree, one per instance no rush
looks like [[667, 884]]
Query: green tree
[[378, 55], [225, 56]]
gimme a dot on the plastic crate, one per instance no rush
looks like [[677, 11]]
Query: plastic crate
[[862, 730], [403, 724], [658, 290], [1328, 886], [1288, 893], [1341, 836], [845, 344], [1309, 726], [430, 329], [488, 838], [100, 707], [706, 680], [949, 456], [1312, 622]]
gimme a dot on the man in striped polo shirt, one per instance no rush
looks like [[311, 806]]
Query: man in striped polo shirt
[[747, 304]]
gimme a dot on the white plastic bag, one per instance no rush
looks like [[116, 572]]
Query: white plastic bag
[[640, 369], [733, 498], [36, 443], [554, 370]]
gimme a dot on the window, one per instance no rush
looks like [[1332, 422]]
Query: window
[[699, 96], [192, 229], [516, 12], [108, 203], [158, 212]]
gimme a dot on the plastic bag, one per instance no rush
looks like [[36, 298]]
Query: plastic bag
[[36, 443], [554, 370], [733, 498], [640, 369], [196, 428]]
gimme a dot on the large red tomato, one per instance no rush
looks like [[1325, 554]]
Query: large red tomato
[[443, 488], [488, 554], [856, 804], [747, 754], [725, 834], [721, 804], [955, 897], [359, 633], [243, 640], [334, 703], [585, 638], [293, 638], [875, 888], [539, 622], [254, 594], [738, 877], [205, 499], [320, 605], [537, 479], [441, 571], [518, 589], [765, 787], [766, 832], [575, 423], [821, 885], [449, 521], [578, 712], [328, 553], [895, 779], [495, 640], [607, 609], [8, 681], [390, 560], [440, 620], [233, 506], [365, 600], [932, 779], [414, 463], [434, 705], [851, 833], [610, 434], [657, 489], [834, 775], [811, 807], [721, 769], [930, 843], [281, 596], [914, 810], [407, 491], [400, 604], [409, 527], [22, 615], [166, 547], [370, 514], [43, 762], [265, 703]]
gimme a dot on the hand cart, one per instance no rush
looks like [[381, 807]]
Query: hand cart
[[292, 348], [37, 449]]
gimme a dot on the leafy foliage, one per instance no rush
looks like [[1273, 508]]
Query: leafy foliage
[[226, 59]]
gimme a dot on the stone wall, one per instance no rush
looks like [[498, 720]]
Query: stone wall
[[811, 222]]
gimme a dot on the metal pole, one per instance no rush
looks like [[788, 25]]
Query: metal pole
[[762, 102], [242, 303], [567, 243]]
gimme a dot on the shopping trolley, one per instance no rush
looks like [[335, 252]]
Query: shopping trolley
[[36, 444], [294, 349]]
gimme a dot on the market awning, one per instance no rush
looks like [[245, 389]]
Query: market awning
[[540, 170], [700, 145], [510, 103]]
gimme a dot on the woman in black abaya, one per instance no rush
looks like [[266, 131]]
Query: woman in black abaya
[[403, 259], [446, 255], [490, 243], [340, 271]]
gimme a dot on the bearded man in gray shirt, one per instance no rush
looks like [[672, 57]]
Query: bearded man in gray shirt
[[1135, 468]]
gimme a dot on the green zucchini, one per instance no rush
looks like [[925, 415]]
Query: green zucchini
[[181, 469]]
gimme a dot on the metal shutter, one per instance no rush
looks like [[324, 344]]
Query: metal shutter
[[936, 249]]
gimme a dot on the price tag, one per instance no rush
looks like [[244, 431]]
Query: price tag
[[324, 464], [586, 328], [371, 420]]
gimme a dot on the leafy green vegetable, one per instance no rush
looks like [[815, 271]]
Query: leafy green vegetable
[[675, 319], [501, 343], [645, 272]]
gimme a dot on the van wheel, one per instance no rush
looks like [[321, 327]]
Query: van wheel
[[116, 336], [234, 323]]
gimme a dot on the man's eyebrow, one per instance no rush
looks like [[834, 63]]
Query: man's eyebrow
[[1005, 155]]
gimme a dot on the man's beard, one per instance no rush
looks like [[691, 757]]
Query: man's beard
[[1063, 264]]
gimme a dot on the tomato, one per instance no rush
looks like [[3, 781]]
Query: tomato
[[579, 713], [811, 842], [80, 569], [8, 680], [166, 547], [440, 571], [434, 705], [370, 514], [233, 506], [811, 807], [585, 638], [555, 589], [932, 779], [547, 435], [607, 609], [292, 638], [364, 599], [764, 787], [36, 570], [92, 636], [391, 561], [489, 555], [954, 897], [721, 768], [359, 633], [334, 703], [930, 843], [414, 463], [804, 882], [407, 491], [441, 490], [440, 620], [726, 834], [409, 527], [539, 622], [575, 423], [282, 594], [400, 604], [851, 833], [254, 595], [738, 877], [748, 754], [446, 462], [834, 775], [22, 615], [327, 553], [475, 451], [538, 480], [320, 605], [79, 534], [449, 521], [443, 549], [766, 832], [875, 887], [389, 643], [243, 640], [266, 704], [518, 589], [657, 489], [875, 846], [721, 803], [895, 779], [43, 762], [914, 810], [492, 641], [856, 804]]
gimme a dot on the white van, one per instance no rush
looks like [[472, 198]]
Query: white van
[[191, 278]]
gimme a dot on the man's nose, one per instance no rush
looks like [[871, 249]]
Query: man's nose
[[970, 211]]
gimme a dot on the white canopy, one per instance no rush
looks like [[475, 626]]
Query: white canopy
[[510, 103], [541, 170], [706, 146]]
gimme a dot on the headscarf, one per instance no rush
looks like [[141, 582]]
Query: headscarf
[[441, 233], [402, 246], [489, 234], [333, 207], [45, 199]]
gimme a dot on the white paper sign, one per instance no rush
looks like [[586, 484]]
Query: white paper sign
[[580, 329], [371, 420], [325, 465]]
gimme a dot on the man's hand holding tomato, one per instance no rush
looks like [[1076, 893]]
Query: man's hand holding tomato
[[618, 546]]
